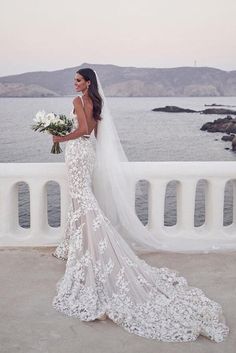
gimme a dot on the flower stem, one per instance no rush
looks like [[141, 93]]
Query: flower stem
[[56, 148]]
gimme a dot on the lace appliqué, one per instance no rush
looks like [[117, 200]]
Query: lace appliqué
[[103, 275]]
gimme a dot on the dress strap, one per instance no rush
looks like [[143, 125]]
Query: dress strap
[[83, 107], [82, 100]]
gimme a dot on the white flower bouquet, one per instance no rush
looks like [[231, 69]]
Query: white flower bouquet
[[54, 124]]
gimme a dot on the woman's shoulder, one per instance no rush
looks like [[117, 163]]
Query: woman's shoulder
[[77, 100], [85, 102]]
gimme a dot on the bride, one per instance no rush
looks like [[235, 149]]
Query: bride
[[104, 276]]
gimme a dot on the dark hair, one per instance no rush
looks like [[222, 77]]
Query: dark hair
[[89, 75]]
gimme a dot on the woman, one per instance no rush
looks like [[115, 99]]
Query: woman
[[104, 278]]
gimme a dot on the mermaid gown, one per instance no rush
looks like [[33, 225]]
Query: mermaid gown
[[104, 275]]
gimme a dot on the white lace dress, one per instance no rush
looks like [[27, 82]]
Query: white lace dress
[[103, 274]]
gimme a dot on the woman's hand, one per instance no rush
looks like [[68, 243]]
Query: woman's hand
[[57, 138]]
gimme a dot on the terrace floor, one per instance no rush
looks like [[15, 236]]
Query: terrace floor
[[29, 323]]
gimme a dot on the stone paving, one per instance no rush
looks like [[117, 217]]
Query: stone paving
[[29, 323]]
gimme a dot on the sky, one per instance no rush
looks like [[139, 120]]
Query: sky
[[55, 34]]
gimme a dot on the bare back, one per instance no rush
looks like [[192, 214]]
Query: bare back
[[88, 110]]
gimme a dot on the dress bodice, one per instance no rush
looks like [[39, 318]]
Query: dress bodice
[[73, 116]]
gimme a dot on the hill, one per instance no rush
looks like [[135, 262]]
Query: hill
[[125, 81]]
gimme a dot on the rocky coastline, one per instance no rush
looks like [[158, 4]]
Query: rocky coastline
[[225, 125]]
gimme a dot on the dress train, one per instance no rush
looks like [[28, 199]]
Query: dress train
[[104, 275]]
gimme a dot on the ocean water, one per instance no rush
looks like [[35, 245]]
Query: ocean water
[[145, 136]]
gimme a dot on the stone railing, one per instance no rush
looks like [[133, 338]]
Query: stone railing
[[157, 174]]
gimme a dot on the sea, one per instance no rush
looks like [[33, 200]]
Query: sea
[[145, 135]]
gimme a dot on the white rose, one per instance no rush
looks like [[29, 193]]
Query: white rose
[[50, 116], [47, 122], [60, 122], [39, 116], [57, 120]]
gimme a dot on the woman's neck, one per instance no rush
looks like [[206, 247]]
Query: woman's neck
[[85, 93]]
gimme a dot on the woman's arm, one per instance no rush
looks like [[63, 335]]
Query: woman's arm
[[83, 126]]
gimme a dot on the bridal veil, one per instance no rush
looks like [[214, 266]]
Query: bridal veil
[[113, 187]]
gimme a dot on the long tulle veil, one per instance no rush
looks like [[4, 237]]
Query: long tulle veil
[[112, 186]]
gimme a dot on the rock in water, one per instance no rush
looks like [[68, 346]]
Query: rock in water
[[227, 137], [218, 111], [227, 125], [174, 109]]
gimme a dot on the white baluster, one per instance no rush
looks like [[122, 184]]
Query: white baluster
[[214, 205], [186, 190], [156, 204], [8, 207], [38, 208]]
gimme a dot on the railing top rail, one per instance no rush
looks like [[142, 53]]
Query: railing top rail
[[175, 169]]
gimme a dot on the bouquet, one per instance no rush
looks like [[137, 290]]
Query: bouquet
[[54, 124]]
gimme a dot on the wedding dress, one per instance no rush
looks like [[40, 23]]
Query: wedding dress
[[104, 275]]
